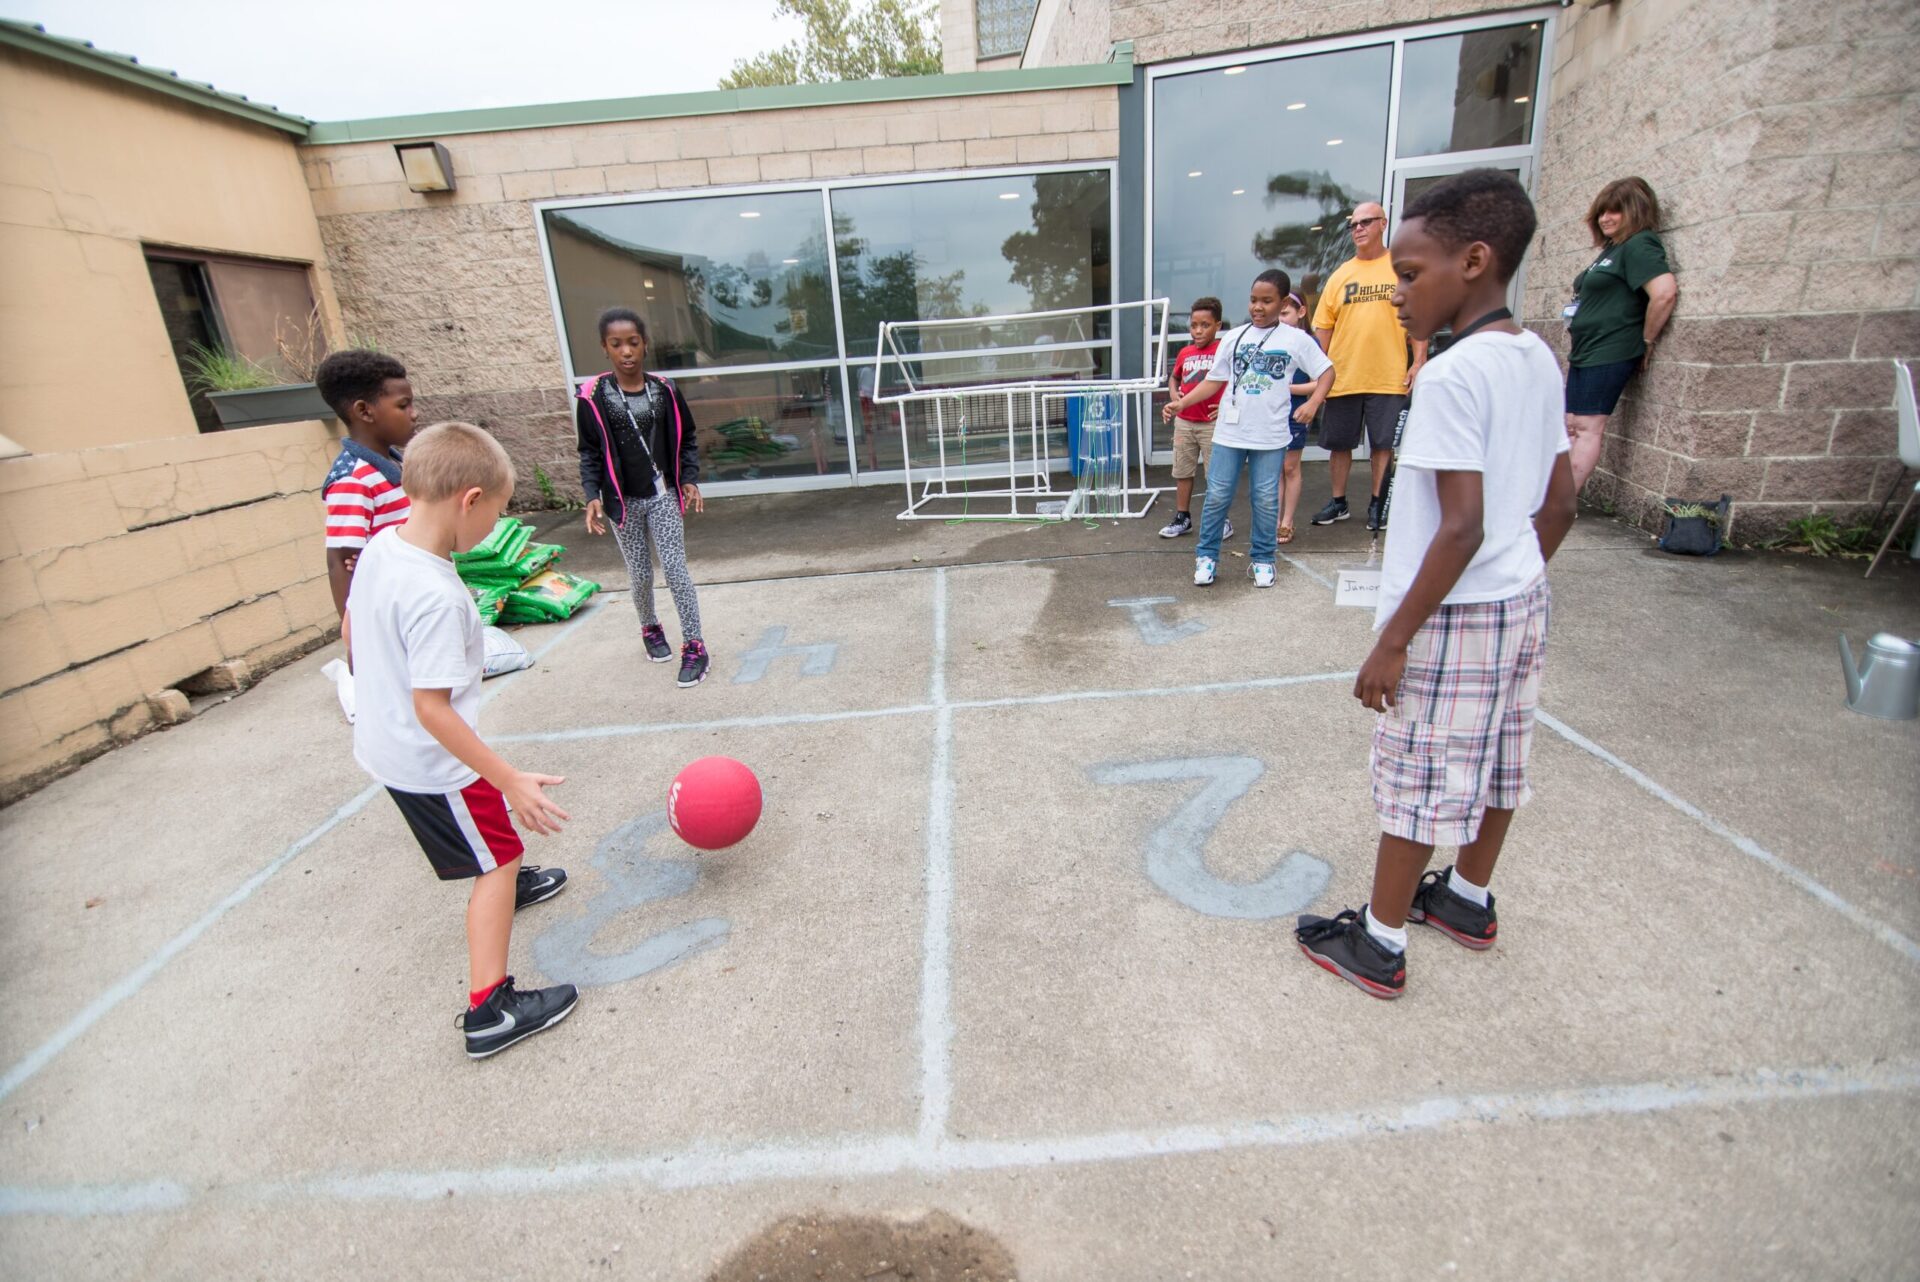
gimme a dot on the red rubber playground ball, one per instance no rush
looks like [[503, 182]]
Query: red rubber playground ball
[[714, 803]]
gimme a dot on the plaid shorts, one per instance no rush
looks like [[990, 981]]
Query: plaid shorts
[[1457, 737]]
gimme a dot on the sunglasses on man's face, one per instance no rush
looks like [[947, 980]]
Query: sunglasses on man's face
[[1358, 224]]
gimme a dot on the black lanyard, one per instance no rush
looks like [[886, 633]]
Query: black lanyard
[[641, 436], [1579, 280], [1497, 314], [1234, 360]]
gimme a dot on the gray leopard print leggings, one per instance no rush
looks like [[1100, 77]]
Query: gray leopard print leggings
[[654, 528]]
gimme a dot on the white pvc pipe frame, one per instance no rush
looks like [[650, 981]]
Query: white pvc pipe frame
[[1135, 396]]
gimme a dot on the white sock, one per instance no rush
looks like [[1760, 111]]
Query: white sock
[[1391, 938], [1465, 889]]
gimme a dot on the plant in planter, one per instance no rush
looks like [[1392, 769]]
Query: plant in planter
[[246, 393], [1695, 529]]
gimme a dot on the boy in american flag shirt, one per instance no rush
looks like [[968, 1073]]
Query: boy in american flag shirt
[[371, 394]]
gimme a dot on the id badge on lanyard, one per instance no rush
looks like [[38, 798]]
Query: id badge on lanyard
[[1229, 409]]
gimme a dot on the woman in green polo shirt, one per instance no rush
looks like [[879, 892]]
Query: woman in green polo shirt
[[1620, 304]]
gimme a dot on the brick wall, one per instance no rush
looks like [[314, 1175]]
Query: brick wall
[[453, 284], [1781, 137], [110, 596]]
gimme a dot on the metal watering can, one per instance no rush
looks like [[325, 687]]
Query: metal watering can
[[1887, 685]]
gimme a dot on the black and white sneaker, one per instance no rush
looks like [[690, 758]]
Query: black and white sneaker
[[1226, 530], [1182, 523], [655, 638], [1376, 514], [1454, 915], [1342, 945], [509, 1015], [537, 885], [693, 664], [1335, 510]]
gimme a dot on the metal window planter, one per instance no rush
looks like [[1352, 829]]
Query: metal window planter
[[259, 406]]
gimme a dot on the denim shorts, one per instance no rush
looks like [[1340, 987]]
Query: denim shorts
[[1595, 389]]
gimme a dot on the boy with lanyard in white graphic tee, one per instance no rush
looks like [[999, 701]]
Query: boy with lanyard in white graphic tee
[[1254, 365], [1484, 496]]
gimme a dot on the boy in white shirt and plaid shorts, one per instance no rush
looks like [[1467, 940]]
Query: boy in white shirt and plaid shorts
[[1483, 497]]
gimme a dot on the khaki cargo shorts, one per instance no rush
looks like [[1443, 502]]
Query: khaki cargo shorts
[[1192, 442]]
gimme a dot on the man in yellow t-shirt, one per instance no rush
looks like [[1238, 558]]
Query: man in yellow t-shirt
[[1358, 327]]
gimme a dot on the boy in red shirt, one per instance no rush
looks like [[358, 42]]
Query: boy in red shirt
[[1193, 433]]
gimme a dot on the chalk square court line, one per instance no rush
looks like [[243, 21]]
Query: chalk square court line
[[931, 1138]]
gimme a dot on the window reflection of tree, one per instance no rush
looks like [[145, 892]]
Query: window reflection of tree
[[1311, 248], [1064, 260]]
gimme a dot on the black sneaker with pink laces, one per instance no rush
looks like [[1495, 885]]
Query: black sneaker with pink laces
[[655, 638], [693, 664]]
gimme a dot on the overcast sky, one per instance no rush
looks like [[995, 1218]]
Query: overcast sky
[[344, 59]]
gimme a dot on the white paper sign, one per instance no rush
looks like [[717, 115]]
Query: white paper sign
[[1358, 588]]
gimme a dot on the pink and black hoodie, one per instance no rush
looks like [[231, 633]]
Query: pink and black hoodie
[[605, 470]]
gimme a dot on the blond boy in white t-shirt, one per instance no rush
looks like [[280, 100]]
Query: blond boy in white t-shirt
[[1484, 495], [418, 651]]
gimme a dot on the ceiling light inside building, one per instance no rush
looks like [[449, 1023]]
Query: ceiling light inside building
[[1295, 106], [1009, 195], [749, 213], [1335, 142], [790, 262], [1239, 191], [1234, 71], [1193, 173], [1315, 227], [1522, 98]]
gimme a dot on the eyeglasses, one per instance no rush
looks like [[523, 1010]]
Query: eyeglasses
[[1358, 223]]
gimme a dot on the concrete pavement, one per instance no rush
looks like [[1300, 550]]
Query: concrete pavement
[[1010, 944]]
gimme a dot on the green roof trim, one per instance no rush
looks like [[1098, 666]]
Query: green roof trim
[[80, 53], [719, 102]]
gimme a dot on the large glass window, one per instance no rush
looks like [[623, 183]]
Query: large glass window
[[1259, 164], [721, 280], [769, 423], [1469, 91], [971, 247], [1255, 166], [748, 280]]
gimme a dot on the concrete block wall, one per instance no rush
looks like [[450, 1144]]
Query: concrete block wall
[[1164, 29], [453, 284], [1783, 139], [128, 570]]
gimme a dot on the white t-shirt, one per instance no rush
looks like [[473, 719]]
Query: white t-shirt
[[1492, 404], [1257, 365], [414, 628]]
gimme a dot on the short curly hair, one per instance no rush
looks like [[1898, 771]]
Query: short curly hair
[[1481, 204], [355, 375]]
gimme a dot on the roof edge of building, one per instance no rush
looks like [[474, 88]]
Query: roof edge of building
[[34, 38], [1117, 71]]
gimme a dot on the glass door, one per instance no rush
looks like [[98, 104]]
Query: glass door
[[1409, 181]]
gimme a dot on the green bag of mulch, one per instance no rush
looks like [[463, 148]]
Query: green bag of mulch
[[489, 602], [547, 596], [537, 558], [499, 546], [493, 559]]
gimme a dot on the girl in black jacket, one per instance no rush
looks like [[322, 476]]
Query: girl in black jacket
[[639, 462]]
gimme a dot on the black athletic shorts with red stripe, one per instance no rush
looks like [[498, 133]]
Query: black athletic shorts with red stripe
[[465, 833]]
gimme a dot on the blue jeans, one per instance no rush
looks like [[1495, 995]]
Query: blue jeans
[[1263, 479]]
